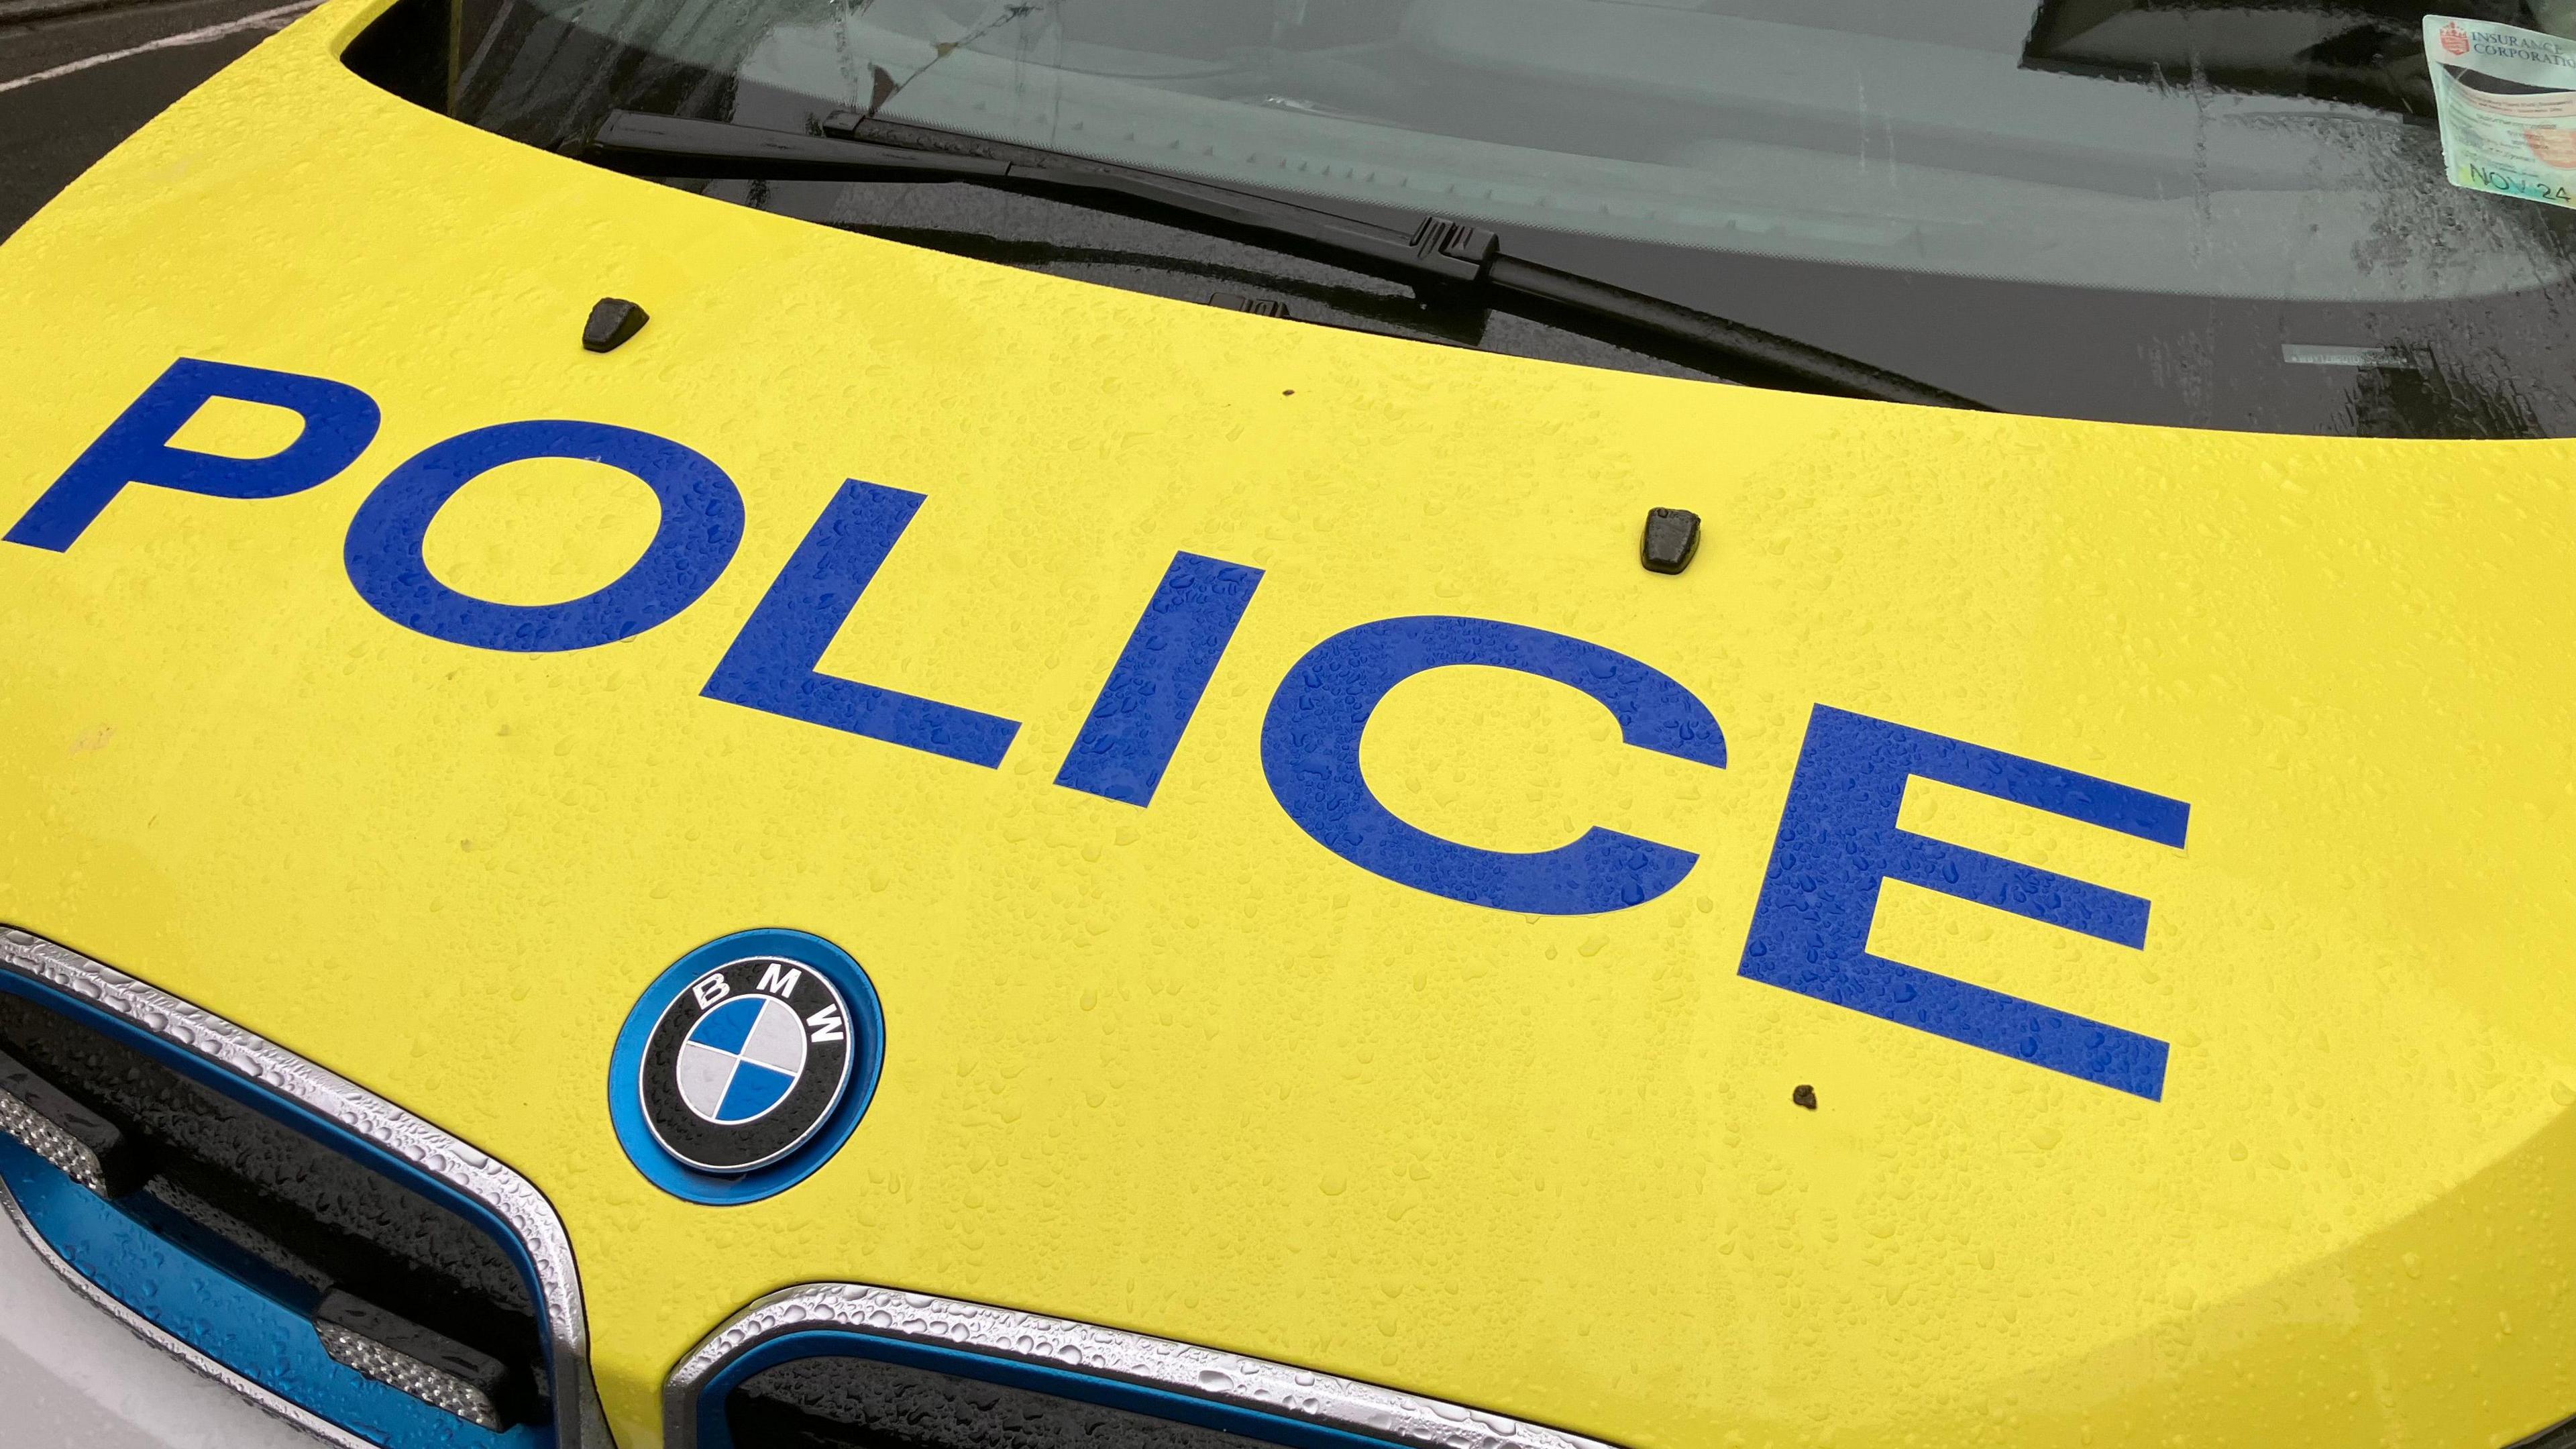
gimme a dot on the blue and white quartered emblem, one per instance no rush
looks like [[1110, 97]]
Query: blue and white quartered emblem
[[743, 1058], [746, 1065]]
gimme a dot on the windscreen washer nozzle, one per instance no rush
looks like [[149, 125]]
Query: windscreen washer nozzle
[[1257, 306], [1672, 537], [614, 321]]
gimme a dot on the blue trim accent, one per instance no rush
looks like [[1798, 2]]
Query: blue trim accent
[[626, 1067], [223, 1338], [1146, 704], [242, 1329], [1158, 1403], [770, 665]]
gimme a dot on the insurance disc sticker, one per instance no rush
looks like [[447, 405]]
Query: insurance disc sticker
[[2507, 99]]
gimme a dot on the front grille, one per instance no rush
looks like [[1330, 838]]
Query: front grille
[[852, 1366], [170, 1164]]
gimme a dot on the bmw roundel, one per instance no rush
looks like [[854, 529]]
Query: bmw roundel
[[746, 1064]]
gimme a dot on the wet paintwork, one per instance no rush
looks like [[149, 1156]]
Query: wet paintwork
[[1184, 1070]]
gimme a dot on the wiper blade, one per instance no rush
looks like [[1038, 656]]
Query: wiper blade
[[674, 146], [1436, 249]]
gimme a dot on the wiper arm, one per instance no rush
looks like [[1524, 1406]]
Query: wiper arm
[[672, 146], [1437, 249]]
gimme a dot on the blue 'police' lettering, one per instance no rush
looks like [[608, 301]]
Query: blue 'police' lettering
[[1838, 840], [700, 527], [1137, 722], [1310, 750], [339, 422], [1837, 844], [771, 664]]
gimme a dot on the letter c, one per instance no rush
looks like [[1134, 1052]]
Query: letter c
[[1310, 750]]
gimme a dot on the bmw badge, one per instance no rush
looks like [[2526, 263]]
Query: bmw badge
[[745, 1065]]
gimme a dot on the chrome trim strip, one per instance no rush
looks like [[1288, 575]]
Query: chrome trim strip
[[577, 1422], [1112, 1353]]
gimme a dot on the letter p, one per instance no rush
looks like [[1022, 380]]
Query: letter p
[[339, 422]]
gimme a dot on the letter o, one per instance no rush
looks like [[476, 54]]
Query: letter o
[[700, 528]]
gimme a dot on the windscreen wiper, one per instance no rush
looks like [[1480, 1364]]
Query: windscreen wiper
[[1436, 250]]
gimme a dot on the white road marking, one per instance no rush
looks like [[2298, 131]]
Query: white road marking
[[264, 20]]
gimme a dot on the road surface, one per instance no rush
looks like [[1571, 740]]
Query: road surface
[[72, 86]]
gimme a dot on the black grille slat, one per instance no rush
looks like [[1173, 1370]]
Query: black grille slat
[[248, 1146], [476, 1370], [122, 1161], [284, 1213], [169, 1208]]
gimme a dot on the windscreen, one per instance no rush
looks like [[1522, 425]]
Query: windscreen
[[2242, 215]]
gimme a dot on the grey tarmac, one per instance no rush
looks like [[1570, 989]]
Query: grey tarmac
[[52, 128]]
